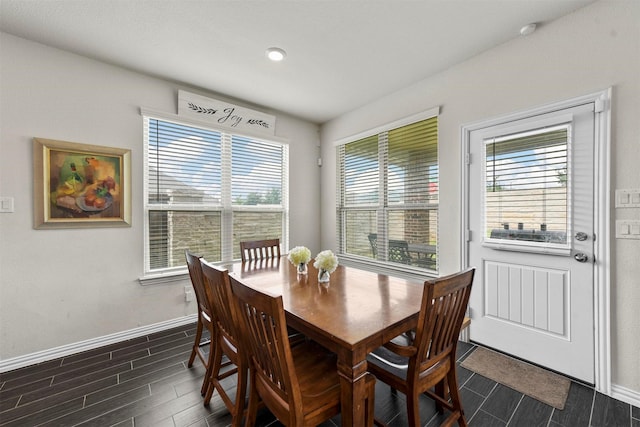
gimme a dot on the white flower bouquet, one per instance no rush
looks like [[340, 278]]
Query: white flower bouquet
[[299, 255], [326, 263]]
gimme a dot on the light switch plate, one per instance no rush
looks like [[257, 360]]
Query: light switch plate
[[628, 229], [627, 198], [6, 204]]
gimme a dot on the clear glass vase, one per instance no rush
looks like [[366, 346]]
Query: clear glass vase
[[323, 276], [302, 268]]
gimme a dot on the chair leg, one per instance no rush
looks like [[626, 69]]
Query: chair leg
[[206, 383], [196, 343], [215, 365], [440, 390], [370, 382], [456, 401], [241, 392], [252, 408], [413, 409]]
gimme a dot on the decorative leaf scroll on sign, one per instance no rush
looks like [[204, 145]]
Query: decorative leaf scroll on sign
[[224, 114], [199, 109]]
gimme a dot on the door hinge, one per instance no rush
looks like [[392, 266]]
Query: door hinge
[[467, 158], [467, 235], [599, 106]]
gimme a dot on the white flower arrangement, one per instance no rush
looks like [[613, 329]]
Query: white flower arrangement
[[299, 255], [327, 261]]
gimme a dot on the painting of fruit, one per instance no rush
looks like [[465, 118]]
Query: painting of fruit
[[80, 181], [91, 180]]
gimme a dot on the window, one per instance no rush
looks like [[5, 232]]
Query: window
[[206, 190], [388, 196], [526, 187]]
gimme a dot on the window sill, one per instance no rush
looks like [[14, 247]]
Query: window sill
[[164, 278], [404, 272]]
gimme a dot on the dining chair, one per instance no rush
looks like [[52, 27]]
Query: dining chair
[[398, 249], [430, 359], [299, 384], [254, 250], [263, 265], [205, 319], [216, 281], [373, 241]]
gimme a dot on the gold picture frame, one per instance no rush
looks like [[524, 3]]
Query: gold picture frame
[[80, 185]]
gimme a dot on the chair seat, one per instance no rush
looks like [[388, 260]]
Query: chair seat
[[384, 363], [389, 361], [317, 375], [392, 361]]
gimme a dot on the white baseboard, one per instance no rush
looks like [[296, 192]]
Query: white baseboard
[[66, 350], [625, 395]]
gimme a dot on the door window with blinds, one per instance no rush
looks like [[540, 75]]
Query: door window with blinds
[[207, 190], [388, 196], [527, 188]]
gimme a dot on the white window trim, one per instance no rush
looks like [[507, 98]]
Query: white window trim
[[404, 271], [424, 115], [528, 246], [180, 274]]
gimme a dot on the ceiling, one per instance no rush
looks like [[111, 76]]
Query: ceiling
[[341, 54]]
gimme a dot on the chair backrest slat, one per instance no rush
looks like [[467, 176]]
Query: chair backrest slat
[[260, 249]]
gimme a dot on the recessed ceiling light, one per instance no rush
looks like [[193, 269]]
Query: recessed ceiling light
[[527, 29], [276, 54]]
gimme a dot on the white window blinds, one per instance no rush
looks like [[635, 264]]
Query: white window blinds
[[184, 165], [207, 190], [412, 174], [388, 195], [527, 186]]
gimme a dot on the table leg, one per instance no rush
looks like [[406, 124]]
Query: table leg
[[354, 394]]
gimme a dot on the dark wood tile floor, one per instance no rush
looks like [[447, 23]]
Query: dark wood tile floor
[[146, 382]]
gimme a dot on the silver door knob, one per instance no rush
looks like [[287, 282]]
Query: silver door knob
[[580, 257]]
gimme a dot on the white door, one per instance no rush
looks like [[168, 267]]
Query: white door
[[531, 239]]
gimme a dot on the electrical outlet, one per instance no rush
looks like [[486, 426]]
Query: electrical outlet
[[6, 204], [188, 294]]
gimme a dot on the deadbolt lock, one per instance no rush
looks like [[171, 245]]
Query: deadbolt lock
[[581, 236]]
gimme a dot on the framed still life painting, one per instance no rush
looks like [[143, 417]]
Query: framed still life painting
[[80, 185]]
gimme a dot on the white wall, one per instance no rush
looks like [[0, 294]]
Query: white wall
[[592, 49], [59, 287]]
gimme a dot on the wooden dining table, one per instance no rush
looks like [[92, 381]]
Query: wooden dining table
[[354, 313]]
